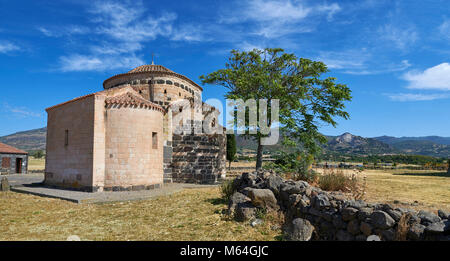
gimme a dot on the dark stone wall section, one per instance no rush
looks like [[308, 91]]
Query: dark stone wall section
[[198, 158], [167, 164]]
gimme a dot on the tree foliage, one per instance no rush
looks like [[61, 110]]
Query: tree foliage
[[231, 148], [306, 98]]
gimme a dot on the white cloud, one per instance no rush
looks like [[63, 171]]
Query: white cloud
[[359, 62], [78, 62], [401, 37], [405, 97], [21, 111], [6, 47], [124, 29], [63, 30], [349, 59], [437, 77], [276, 18], [330, 10], [444, 28]]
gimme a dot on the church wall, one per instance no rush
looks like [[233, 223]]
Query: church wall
[[131, 161], [69, 152], [199, 158]]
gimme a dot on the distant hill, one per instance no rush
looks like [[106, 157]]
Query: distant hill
[[428, 146], [434, 139], [346, 143], [31, 140]]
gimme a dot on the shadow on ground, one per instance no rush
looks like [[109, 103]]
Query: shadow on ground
[[217, 201], [431, 174]]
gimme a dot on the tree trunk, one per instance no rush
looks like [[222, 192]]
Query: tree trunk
[[229, 165], [259, 155]]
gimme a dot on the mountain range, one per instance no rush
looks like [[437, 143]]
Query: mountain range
[[346, 143]]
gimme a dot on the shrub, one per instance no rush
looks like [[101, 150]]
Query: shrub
[[227, 189], [296, 166], [309, 176], [336, 180]]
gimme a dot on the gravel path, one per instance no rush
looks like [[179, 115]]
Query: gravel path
[[23, 184]]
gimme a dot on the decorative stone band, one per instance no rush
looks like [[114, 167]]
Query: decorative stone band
[[152, 73], [132, 100], [133, 188]]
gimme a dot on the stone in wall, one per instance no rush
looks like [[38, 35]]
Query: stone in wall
[[330, 215]]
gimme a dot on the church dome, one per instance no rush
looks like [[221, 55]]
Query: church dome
[[142, 73], [150, 68]]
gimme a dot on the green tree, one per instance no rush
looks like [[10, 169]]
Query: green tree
[[231, 149], [38, 154], [305, 97]]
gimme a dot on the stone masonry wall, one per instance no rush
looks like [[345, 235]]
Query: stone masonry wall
[[313, 214], [10, 159], [69, 163], [134, 160]]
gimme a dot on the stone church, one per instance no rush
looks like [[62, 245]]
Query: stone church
[[123, 137]]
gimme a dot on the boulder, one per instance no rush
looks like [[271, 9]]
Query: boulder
[[5, 184], [244, 212], [320, 201], [443, 214], [349, 213], [366, 228], [353, 227], [373, 238], [273, 182], [287, 189], [428, 217], [396, 215], [364, 213], [360, 238], [355, 204], [236, 199], [338, 222], [343, 235], [388, 234], [436, 227], [382, 220], [299, 229], [263, 198]]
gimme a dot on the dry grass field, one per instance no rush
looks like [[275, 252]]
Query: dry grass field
[[431, 189], [36, 164], [191, 215], [418, 189]]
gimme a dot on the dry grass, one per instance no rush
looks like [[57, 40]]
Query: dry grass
[[36, 164], [430, 188], [193, 214]]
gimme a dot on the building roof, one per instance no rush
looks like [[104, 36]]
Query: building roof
[[150, 68], [155, 69], [10, 150], [129, 98], [70, 101]]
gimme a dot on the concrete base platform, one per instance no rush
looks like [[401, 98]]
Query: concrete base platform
[[101, 197]]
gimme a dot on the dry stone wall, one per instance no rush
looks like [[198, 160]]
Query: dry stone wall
[[313, 214]]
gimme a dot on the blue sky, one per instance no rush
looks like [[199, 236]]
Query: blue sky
[[394, 55]]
